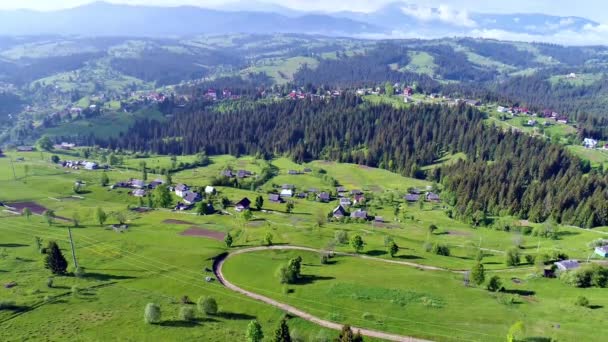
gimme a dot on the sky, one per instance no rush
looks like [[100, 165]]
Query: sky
[[591, 9]]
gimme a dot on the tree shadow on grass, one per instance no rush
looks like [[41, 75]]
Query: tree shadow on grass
[[235, 316], [12, 245], [310, 279], [106, 277], [376, 252], [180, 324], [408, 257], [595, 307], [537, 339], [520, 292]]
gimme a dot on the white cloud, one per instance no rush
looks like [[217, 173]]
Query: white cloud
[[589, 35], [442, 13]]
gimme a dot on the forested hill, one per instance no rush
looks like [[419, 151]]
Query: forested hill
[[505, 172]]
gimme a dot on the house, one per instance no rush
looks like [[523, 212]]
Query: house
[[359, 214], [274, 198], [567, 265], [501, 109], [293, 172], [209, 190], [183, 206], [191, 197], [378, 219], [412, 197], [287, 187], [242, 205], [562, 119], [602, 251], [359, 199], [345, 201], [301, 195], [307, 170], [137, 183], [339, 212], [590, 143], [323, 197], [242, 174], [181, 190], [408, 91], [313, 190], [227, 173], [286, 193], [25, 148], [91, 166], [155, 183], [571, 75], [341, 191], [139, 193], [432, 197]]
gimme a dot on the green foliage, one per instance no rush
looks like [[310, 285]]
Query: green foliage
[[162, 196], [291, 273], [268, 239], [478, 275], [259, 202], [54, 259], [494, 284], [582, 301], [254, 332], [55, 159], [347, 335], [105, 180], [228, 240], [515, 331], [75, 290], [45, 143], [27, 213], [152, 314], [341, 237], [49, 215], [432, 228], [186, 313], [281, 334], [440, 249], [101, 216], [357, 243], [289, 207], [209, 306], [547, 230], [512, 257], [49, 282], [393, 249], [586, 276]]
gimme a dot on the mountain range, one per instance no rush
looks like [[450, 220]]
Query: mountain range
[[397, 19]]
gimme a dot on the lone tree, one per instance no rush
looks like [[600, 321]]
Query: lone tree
[[393, 249], [289, 207], [105, 180], [247, 215], [432, 228], [45, 143], [254, 332], [282, 332], [208, 306], [228, 240], [101, 216], [259, 202], [494, 284], [49, 215], [268, 239], [54, 259], [162, 196], [478, 275], [55, 159], [347, 335], [512, 257], [152, 313], [357, 243]]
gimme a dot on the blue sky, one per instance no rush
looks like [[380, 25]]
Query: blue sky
[[592, 9]]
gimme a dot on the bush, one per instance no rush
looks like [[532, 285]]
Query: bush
[[341, 237], [185, 300], [547, 231], [529, 258], [186, 313], [582, 301], [208, 306], [324, 259], [512, 257], [494, 284], [152, 314], [440, 249]]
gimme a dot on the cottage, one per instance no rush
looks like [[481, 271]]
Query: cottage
[[242, 205], [155, 183], [408, 91], [91, 166], [341, 191], [137, 183], [567, 265], [181, 190], [209, 190], [359, 199], [590, 143], [323, 197], [432, 197], [360, 214], [339, 212], [562, 119], [345, 201], [412, 197], [286, 193], [379, 219], [356, 192], [274, 198], [602, 251], [293, 172], [139, 193], [191, 197], [227, 173], [241, 174]]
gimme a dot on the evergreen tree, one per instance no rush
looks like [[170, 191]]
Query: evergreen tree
[[282, 332], [259, 202], [393, 249], [478, 274], [228, 240], [54, 259], [254, 332]]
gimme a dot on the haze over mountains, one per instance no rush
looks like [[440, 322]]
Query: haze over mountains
[[397, 19]]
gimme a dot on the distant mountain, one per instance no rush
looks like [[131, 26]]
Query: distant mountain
[[103, 19]]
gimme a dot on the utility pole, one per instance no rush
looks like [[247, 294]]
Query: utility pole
[[73, 248], [13, 166]]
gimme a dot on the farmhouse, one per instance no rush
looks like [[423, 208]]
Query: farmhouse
[[359, 199], [345, 201], [137, 183], [139, 193], [323, 197], [91, 166], [412, 197], [155, 183], [339, 212], [589, 143], [602, 251], [181, 190], [227, 173], [501, 109], [567, 265], [183, 206], [286, 193], [191, 197], [341, 191], [432, 197], [242, 205], [360, 214], [274, 198]]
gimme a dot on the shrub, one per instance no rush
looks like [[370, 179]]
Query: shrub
[[209, 306], [186, 300], [341, 237], [512, 257], [478, 274], [186, 313], [494, 284], [152, 314], [324, 259], [440, 249], [529, 258], [582, 301]]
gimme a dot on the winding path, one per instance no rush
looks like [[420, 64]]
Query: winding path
[[219, 263]]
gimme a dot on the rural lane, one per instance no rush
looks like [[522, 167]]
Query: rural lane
[[217, 269]]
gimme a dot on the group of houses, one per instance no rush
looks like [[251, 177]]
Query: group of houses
[[64, 146], [190, 197], [238, 174], [138, 186], [415, 195], [296, 172], [547, 114], [80, 164], [303, 95]]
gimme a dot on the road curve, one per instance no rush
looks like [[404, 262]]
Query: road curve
[[219, 263]]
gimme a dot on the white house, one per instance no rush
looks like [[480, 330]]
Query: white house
[[181, 190], [209, 190], [90, 166], [589, 143], [286, 193], [501, 109]]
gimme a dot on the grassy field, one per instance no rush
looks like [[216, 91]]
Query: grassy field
[[153, 262], [282, 70]]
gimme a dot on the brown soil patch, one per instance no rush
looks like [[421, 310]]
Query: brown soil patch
[[199, 232], [171, 221], [34, 207]]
